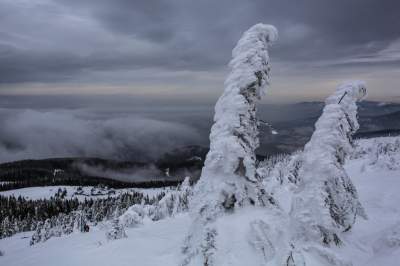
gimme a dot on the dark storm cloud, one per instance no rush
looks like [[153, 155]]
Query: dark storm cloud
[[49, 41]]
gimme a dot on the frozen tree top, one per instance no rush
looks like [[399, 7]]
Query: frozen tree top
[[234, 133], [339, 117], [352, 91], [346, 95], [250, 58]]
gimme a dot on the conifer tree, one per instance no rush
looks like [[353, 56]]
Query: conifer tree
[[325, 203], [229, 180], [116, 231], [37, 236]]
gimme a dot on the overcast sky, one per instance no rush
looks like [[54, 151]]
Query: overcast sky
[[180, 49]]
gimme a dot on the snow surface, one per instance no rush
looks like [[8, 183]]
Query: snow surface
[[154, 243], [372, 242]]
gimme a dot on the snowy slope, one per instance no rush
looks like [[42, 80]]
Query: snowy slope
[[154, 243], [376, 175], [372, 242]]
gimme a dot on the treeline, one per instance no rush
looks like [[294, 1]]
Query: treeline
[[82, 181], [67, 172], [18, 214]]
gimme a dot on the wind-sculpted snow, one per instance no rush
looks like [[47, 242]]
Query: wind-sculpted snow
[[317, 200], [229, 178], [325, 203], [234, 135]]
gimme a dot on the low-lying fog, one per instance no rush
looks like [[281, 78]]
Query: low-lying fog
[[127, 128]]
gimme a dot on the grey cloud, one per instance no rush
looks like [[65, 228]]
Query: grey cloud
[[67, 40], [28, 134]]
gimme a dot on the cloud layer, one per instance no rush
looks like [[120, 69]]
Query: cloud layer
[[175, 43], [26, 134]]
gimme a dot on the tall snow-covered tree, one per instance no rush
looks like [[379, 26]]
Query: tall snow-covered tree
[[229, 180], [326, 202]]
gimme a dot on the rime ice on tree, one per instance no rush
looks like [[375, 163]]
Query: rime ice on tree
[[229, 178], [116, 231], [326, 202]]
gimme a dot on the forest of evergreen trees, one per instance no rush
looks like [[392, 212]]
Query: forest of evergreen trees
[[18, 214], [43, 181]]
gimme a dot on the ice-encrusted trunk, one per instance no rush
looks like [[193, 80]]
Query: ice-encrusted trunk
[[229, 180], [326, 202]]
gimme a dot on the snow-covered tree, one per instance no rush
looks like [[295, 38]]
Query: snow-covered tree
[[37, 235], [325, 203], [131, 219], [184, 193], [47, 231], [116, 231], [67, 224], [174, 201], [7, 229], [229, 180]]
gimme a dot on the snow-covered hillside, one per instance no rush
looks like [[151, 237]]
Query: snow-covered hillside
[[373, 168]]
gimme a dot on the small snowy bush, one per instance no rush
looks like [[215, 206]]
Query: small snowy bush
[[37, 235], [131, 219], [116, 231]]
